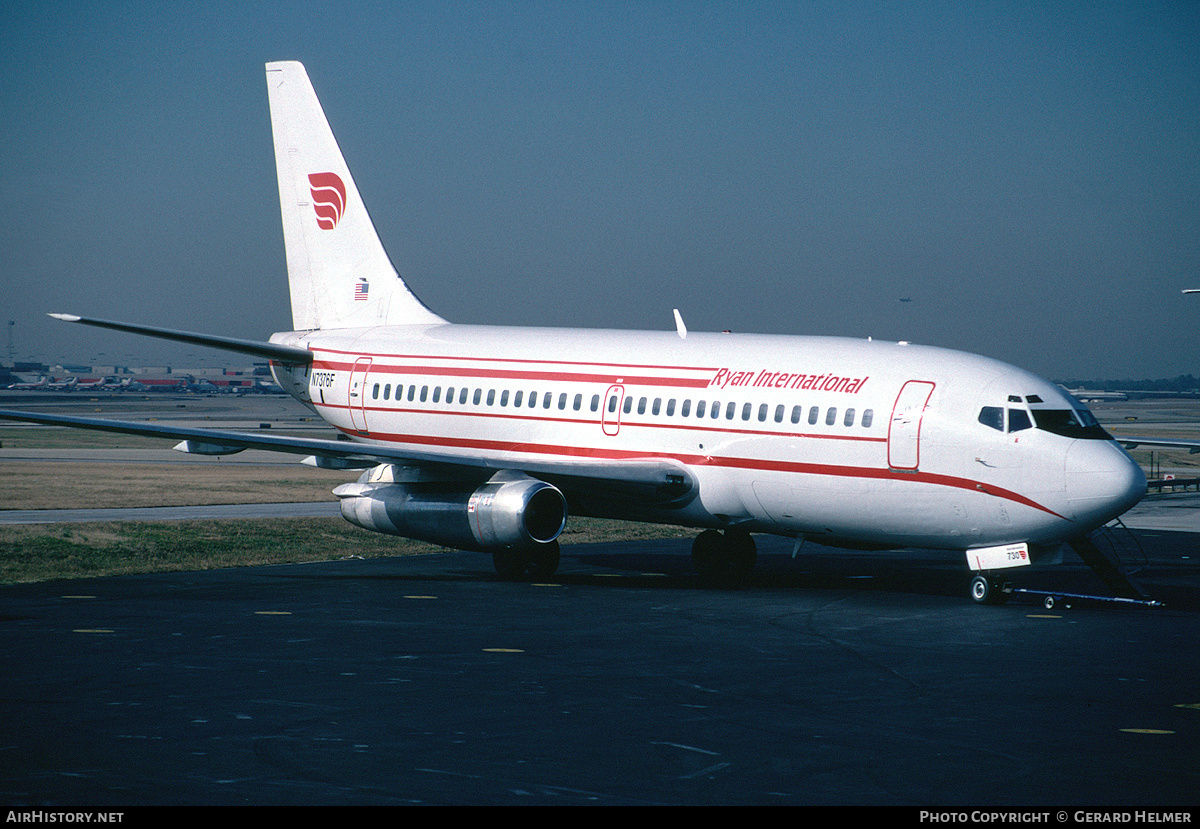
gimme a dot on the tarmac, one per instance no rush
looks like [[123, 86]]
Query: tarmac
[[865, 679]]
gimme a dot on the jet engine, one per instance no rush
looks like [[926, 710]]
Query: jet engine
[[510, 510]]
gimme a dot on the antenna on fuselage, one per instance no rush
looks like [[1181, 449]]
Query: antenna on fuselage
[[680, 328]]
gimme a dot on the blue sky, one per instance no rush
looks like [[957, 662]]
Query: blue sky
[[1027, 174]]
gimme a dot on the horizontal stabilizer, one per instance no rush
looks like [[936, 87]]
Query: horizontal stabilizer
[[256, 348]]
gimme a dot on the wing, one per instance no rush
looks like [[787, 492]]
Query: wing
[[1132, 442], [662, 483]]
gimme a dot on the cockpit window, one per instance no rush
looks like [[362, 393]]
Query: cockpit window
[[1018, 419], [992, 416], [1075, 422]]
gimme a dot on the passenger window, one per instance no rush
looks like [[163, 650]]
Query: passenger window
[[547, 400], [656, 406], [562, 401], [450, 395], [424, 393], [849, 421], [1018, 419], [730, 409], [412, 392], [475, 399], [831, 416], [992, 417], [375, 392], [517, 398], [462, 395], [686, 408], [671, 407], [746, 411], [813, 414], [532, 399], [700, 408], [779, 414], [387, 392], [867, 417], [796, 412], [642, 406], [437, 394], [715, 411], [491, 398], [628, 407], [612, 404]]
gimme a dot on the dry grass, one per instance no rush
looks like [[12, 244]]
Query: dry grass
[[85, 484], [40, 552]]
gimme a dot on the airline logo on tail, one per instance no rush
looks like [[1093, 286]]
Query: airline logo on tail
[[329, 199]]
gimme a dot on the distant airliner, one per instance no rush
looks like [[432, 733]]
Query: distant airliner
[[483, 438]]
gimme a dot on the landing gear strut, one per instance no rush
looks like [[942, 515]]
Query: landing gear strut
[[728, 556]]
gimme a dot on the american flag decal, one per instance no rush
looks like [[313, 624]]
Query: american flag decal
[[329, 198], [360, 290]]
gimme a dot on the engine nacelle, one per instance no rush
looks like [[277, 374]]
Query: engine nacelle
[[510, 510]]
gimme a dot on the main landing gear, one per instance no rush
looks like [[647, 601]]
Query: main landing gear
[[727, 556], [538, 561]]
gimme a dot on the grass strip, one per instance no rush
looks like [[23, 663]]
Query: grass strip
[[41, 552]]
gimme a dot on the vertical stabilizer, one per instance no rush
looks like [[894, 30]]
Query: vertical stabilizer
[[338, 272]]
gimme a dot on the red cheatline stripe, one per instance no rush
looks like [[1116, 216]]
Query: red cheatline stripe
[[705, 460]]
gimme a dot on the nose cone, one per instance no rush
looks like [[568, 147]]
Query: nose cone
[[1102, 482]]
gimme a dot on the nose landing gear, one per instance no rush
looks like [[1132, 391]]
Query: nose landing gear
[[988, 590]]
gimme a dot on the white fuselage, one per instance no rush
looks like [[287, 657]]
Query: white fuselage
[[849, 441]]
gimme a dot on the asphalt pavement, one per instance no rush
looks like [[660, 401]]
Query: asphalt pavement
[[860, 679]]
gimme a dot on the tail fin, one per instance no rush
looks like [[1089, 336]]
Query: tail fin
[[338, 272]]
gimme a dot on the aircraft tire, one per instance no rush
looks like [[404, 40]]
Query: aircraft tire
[[543, 560], [743, 553], [987, 591], [511, 562], [539, 561], [724, 557], [707, 554]]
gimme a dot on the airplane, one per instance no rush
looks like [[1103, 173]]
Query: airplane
[[42, 382], [487, 437], [91, 385], [64, 385]]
